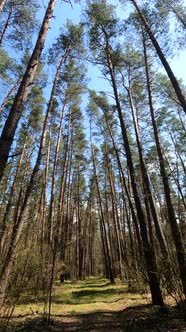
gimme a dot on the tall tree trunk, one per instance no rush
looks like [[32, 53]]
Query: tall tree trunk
[[178, 16], [178, 241], [10, 93], [9, 203], [44, 233], [146, 183], [6, 25], [23, 180], [51, 207], [65, 218], [106, 248], [114, 213], [177, 150], [79, 239], [164, 62], [177, 182], [17, 230], [148, 250], [18, 226], [86, 239], [60, 217], [134, 217], [16, 110]]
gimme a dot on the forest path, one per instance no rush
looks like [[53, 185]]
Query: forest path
[[96, 305]]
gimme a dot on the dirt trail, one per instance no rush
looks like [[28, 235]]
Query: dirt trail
[[113, 310], [132, 319]]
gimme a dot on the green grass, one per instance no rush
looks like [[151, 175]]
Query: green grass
[[91, 295], [92, 304]]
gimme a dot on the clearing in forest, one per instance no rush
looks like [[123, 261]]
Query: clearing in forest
[[94, 305]]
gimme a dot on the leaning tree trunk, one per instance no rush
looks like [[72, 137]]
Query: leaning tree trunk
[[6, 25], [177, 150], [178, 16], [18, 226], [16, 110], [10, 93], [164, 62], [9, 203], [17, 230], [178, 241]]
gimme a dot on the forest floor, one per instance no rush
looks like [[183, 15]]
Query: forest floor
[[94, 305]]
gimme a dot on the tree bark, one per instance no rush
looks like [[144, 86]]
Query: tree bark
[[16, 110], [51, 206], [106, 248], [178, 241], [6, 24], [178, 16], [10, 93], [17, 230], [114, 213], [9, 203], [18, 226], [164, 62], [146, 184], [124, 185], [148, 250]]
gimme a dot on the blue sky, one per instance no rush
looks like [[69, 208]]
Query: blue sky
[[64, 10]]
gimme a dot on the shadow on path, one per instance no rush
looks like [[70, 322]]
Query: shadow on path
[[132, 319], [139, 318]]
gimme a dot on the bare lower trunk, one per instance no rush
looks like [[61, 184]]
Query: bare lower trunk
[[124, 185], [114, 213], [18, 226], [51, 207], [149, 199], [178, 241], [105, 243], [148, 250]]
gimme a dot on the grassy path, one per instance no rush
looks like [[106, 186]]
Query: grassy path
[[96, 305]]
